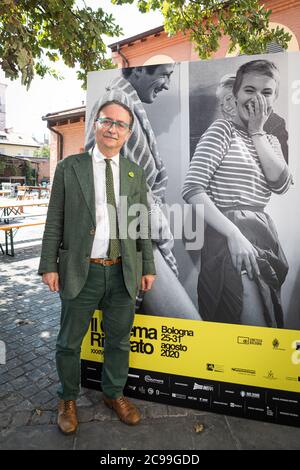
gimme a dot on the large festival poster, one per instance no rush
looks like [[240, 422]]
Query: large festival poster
[[206, 337]]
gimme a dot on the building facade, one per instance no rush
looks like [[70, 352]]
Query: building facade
[[17, 145], [67, 134]]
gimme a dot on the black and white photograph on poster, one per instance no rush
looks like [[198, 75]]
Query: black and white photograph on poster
[[242, 280], [143, 90], [240, 172]]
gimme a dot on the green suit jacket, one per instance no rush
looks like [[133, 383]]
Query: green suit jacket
[[71, 225]]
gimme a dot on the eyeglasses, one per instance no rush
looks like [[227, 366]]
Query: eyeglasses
[[107, 123]]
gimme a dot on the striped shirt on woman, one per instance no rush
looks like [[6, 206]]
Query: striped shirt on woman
[[226, 166]]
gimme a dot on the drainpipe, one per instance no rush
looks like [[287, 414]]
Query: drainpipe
[[122, 55], [60, 141]]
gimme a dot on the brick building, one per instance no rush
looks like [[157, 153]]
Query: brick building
[[67, 134], [154, 47]]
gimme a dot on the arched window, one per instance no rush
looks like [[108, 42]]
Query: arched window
[[159, 59]]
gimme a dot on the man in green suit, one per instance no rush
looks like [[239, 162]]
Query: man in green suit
[[94, 262]]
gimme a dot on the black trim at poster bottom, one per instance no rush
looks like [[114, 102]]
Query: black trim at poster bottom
[[264, 404]]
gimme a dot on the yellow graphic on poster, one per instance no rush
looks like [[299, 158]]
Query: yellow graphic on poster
[[255, 356]]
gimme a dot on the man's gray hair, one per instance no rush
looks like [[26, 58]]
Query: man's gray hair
[[119, 103]]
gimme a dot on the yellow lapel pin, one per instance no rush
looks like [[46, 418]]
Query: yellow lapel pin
[[131, 174]]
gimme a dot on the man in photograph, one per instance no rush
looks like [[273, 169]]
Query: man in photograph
[[135, 87]]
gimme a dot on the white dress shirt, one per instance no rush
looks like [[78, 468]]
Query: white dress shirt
[[101, 240]]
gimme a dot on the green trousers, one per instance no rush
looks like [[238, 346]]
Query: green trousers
[[104, 289]]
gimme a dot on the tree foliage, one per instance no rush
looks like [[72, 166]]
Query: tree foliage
[[36, 34], [42, 152], [245, 22], [31, 174]]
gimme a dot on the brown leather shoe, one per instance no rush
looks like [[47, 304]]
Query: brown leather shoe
[[67, 416], [126, 411]]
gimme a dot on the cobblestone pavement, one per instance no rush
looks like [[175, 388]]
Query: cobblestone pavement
[[29, 319]]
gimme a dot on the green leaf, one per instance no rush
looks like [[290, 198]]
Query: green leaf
[[30, 30]]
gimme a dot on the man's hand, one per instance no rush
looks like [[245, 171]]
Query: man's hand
[[52, 281], [146, 282]]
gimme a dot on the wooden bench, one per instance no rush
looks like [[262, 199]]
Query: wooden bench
[[10, 231], [12, 218], [26, 192]]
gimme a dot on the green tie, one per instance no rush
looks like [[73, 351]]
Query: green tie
[[114, 248]]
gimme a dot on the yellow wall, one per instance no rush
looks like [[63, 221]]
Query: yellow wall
[[17, 150]]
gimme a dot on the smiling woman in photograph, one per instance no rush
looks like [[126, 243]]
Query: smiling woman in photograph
[[235, 168]]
